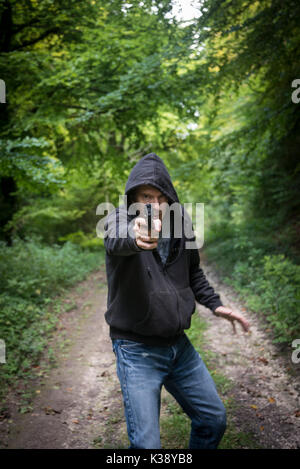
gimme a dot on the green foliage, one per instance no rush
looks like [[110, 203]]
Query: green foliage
[[254, 123], [83, 240], [28, 161], [278, 296], [84, 84], [32, 274], [63, 212], [269, 283]]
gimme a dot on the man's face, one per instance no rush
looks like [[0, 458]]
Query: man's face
[[150, 195]]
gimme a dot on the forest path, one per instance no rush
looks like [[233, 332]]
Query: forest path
[[78, 403]]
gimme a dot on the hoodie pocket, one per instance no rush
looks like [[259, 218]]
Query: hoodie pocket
[[162, 317], [109, 312], [186, 306]]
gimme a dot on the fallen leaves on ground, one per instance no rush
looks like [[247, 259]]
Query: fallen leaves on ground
[[263, 360], [51, 411]]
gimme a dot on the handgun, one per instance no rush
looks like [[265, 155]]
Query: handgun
[[149, 217]]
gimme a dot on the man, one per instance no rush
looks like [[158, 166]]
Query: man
[[153, 282]]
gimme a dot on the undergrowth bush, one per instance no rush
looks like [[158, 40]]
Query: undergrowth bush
[[268, 280], [32, 274]]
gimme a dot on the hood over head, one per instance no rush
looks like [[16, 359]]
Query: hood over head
[[151, 170]]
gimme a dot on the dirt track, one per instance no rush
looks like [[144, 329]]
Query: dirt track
[[78, 403], [75, 405]]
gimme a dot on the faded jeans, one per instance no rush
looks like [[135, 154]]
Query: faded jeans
[[143, 369]]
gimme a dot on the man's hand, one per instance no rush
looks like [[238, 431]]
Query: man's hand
[[227, 313], [143, 240]]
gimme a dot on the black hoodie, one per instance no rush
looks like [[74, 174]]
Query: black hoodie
[[149, 301]]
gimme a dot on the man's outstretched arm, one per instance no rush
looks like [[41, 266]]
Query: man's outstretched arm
[[205, 294], [118, 241], [230, 315], [203, 291]]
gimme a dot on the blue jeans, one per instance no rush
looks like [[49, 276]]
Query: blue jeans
[[143, 369]]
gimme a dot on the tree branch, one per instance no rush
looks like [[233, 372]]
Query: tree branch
[[40, 38]]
